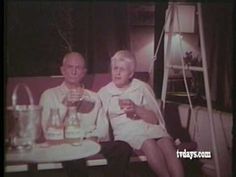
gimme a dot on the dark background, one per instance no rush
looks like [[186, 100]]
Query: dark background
[[37, 34]]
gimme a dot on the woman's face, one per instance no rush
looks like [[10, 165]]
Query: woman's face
[[121, 74]]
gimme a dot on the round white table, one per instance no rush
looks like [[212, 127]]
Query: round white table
[[54, 153]]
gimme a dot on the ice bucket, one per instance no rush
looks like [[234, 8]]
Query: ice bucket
[[25, 122]]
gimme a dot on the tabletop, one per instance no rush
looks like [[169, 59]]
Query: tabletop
[[55, 153]]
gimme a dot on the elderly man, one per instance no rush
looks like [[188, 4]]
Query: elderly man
[[117, 153]]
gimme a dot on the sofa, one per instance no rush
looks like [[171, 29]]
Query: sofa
[[181, 123]]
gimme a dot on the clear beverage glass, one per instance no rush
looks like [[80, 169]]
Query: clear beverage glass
[[124, 102], [74, 96]]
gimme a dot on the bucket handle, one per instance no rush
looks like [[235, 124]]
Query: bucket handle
[[29, 93]]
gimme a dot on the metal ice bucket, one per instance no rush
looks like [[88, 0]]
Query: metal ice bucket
[[25, 122]]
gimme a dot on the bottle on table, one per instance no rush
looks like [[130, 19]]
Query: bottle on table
[[55, 127], [72, 130]]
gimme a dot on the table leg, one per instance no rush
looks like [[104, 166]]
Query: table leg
[[33, 170]]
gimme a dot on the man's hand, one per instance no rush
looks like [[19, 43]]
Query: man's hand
[[73, 97]]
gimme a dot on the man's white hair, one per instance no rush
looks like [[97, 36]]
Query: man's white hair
[[67, 55]]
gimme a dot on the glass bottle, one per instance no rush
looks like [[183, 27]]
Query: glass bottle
[[73, 132], [55, 127]]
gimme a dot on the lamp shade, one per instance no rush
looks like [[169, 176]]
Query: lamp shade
[[185, 15]]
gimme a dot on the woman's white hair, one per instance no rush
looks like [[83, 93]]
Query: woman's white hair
[[127, 57]]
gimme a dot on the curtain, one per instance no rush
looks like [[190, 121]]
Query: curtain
[[160, 9], [33, 46], [219, 49], [107, 33], [38, 34], [97, 30]]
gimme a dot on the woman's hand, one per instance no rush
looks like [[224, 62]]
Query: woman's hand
[[129, 107], [135, 112]]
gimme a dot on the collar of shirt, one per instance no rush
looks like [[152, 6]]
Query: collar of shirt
[[115, 91]]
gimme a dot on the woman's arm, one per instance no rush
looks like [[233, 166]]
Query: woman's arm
[[147, 115]]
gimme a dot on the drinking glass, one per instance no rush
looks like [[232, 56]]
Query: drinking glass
[[124, 102]]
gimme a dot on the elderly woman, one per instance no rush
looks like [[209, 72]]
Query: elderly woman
[[136, 118]]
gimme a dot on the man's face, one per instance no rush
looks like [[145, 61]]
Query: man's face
[[73, 70]]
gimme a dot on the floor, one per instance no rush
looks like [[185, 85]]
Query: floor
[[140, 169]]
